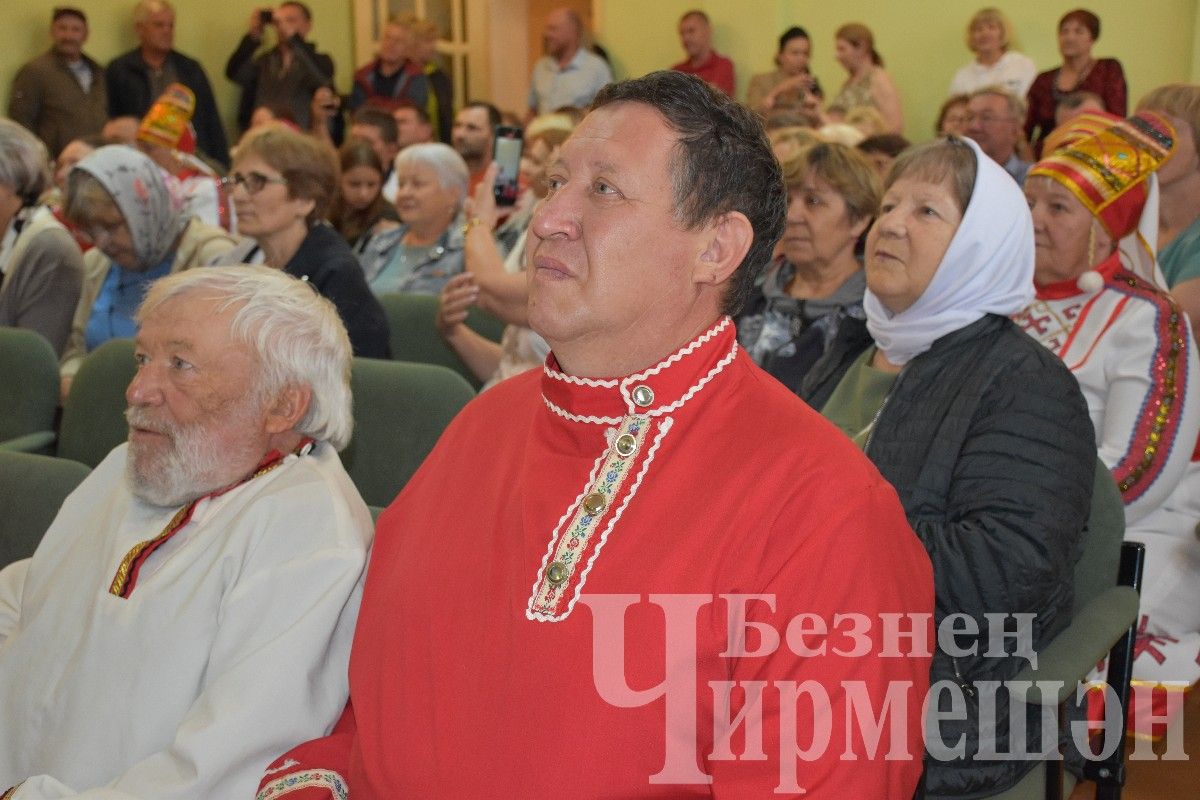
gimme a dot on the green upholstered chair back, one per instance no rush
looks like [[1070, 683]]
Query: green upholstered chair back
[[415, 337], [28, 390], [33, 488], [400, 410], [93, 420], [1096, 569]]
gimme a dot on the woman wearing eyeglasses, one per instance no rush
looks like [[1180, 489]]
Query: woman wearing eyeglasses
[[281, 185], [118, 200]]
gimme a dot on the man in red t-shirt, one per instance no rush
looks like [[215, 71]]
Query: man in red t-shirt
[[695, 34]]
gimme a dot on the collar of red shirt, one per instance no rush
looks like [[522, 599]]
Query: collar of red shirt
[[661, 389]]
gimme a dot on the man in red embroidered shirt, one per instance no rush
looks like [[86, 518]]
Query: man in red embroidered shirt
[[140, 646], [646, 570], [695, 34]]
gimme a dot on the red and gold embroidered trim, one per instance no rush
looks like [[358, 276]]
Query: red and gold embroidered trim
[[308, 779], [562, 569], [1158, 423], [127, 571]]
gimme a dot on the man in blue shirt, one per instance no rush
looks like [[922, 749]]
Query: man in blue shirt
[[569, 74]]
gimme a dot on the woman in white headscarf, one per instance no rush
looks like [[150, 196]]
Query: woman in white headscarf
[[119, 201], [985, 438]]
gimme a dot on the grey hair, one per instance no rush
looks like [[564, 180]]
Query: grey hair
[[296, 333], [144, 8], [24, 162], [1016, 105], [447, 164], [87, 198]]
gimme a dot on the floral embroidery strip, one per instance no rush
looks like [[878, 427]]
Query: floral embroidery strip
[[309, 779], [548, 596], [663, 427]]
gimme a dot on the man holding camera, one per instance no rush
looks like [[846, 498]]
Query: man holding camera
[[286, 76]]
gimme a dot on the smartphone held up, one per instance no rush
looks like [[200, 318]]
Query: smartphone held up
[[507, 155]]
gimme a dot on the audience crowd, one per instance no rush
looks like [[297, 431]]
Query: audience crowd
[[990, 318]]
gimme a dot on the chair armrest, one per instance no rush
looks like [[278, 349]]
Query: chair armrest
[[36, 442], [1093, 631]]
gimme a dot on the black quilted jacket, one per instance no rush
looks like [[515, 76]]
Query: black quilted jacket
[[987, 440]]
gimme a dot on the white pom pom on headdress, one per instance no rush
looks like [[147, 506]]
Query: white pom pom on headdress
[[1090, 281]]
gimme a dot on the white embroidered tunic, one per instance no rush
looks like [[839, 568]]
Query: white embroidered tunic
[[231, 646], [1128, 346]]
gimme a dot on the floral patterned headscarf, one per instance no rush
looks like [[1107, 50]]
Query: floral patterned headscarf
[[140, 190]]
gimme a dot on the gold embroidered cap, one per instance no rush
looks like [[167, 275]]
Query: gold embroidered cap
[[1106, 166], [169, 120]]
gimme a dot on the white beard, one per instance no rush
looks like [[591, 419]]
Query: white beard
[[195, 464]]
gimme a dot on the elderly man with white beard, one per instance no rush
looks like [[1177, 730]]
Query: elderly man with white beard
[[189, 613]]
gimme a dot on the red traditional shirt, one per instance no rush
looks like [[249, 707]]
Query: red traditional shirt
[[571, 544]]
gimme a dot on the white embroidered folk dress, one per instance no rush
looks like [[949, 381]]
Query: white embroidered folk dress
[[1128, 345], [231, 647]]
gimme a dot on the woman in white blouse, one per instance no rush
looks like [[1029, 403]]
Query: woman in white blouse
[[989, 34]]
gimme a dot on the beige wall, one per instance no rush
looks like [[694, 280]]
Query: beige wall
[[921, 40], [207, 30]]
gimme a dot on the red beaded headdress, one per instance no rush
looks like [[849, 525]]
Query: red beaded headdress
[[168, 122], [1108, 169]]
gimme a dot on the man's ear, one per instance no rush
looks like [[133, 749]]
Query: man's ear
[[728, 239], [288, 408]]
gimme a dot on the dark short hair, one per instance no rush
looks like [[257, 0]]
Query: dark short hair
[[1085, 18], [890, 144], [697, 13], [1073, 100], [722, 162], [492, 112], [304, 9], [794, 32], [380, 119], [67, 11], [421, 113], [951, 101]]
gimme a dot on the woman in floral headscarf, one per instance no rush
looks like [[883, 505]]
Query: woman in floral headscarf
[[118, 200]]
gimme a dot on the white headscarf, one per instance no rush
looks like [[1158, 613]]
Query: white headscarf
[[987, 269], [1138, 251]]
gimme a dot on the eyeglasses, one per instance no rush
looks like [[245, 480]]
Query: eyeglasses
[[254, 182], [987, 119]]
